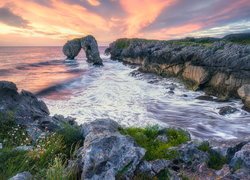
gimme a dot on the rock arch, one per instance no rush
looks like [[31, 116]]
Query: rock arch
[[89, 44]]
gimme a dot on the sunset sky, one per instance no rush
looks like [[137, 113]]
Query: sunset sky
[[52, 22]]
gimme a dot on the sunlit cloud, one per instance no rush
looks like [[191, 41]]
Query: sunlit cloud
[[52, 22], [138, 16]]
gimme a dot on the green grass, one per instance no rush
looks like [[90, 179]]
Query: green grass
[[48, 157], [12, 134], [122, 43], [156, 149], [216, 160], [204, 146]]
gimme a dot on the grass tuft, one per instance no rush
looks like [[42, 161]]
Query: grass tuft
[[216, 160], [204, 146], [156, 149]]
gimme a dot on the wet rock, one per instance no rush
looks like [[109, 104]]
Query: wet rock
[[205, 98], [72, 48], [154, 81], [244, 93], [170, 92], [22, 176], [227, 110], [172, 87], [241, 158], [107, 153], [89, 44]]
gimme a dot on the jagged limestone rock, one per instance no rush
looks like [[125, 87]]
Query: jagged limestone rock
[[106, 153]]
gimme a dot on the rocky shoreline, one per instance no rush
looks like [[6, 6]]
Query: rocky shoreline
[[39, 146], [220, 67]]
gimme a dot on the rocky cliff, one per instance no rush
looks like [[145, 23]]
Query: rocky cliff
[[217, 66]]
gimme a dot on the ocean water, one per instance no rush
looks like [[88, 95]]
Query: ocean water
[[76, 88]]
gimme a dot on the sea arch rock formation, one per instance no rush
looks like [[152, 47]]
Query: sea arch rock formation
[[89, 44]]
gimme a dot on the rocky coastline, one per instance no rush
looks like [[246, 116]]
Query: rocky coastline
[[220, 67], [35, 145]]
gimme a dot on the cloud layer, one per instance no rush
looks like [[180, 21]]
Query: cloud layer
[[52, 22]]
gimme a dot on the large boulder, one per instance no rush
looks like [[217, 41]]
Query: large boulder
[[244, 93], [72, 48], [25, 106], [28, 111], [89, 44], [241, 159], [106, 153]]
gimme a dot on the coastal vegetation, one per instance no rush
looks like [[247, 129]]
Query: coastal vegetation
[[150, 139], [45, 158]]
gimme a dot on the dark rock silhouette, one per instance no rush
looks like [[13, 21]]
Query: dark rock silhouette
[[72, 48], [89, 44]]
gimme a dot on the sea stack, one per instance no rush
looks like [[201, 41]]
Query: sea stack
[[89, 44]]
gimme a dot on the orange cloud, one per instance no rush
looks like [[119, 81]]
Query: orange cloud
[[57, 21], [142, 13], [65, 20]]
